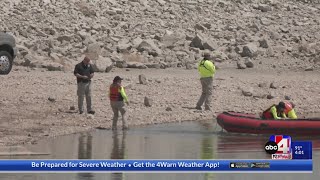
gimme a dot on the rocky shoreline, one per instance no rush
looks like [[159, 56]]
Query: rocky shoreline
[[265, 51], [38, 103], [164, 33]]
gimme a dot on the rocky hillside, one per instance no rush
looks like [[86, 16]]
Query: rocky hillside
[[54, 34]]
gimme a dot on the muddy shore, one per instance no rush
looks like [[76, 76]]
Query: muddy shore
[[35, 104]]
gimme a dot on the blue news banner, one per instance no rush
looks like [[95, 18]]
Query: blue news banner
[[155, 166]]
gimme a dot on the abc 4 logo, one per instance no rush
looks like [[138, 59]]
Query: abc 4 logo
[[272, 147]]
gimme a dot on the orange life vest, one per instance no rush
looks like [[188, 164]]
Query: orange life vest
[[288, 108], [115, 94]]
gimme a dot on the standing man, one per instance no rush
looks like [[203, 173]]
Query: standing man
[[84, 73], [117, 99], [206, 70]]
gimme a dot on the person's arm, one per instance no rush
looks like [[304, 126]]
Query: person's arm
[[76, 73], [124, 95], [292, 114], [283, 115], [274, 113], [91, 72]]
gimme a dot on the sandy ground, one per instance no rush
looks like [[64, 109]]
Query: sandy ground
[[27, 115]]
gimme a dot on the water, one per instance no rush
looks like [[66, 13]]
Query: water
[[188, 140]]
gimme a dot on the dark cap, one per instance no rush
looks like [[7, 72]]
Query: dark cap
[[207, 55], [282, 105], [117, 78]]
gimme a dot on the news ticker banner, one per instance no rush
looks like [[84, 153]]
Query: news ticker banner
[[186, 166]]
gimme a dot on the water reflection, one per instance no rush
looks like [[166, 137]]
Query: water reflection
[[207, 152], [118, 151], [85, 152], [188, 140]]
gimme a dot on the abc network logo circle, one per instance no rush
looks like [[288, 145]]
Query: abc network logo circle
[[271, 147]]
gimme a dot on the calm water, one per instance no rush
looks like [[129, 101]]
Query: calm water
[[188, 140]]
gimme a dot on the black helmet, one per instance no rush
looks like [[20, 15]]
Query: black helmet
[[282, 105]]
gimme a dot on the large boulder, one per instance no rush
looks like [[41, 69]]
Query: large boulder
[[93, 51], [249, 50], [202, 42], [103, 64], [150, 47]]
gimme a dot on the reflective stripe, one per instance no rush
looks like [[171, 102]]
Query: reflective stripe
[[202, 63]]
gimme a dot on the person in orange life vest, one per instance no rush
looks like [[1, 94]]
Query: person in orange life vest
[[289, 111], [118, 98], [274, 112]]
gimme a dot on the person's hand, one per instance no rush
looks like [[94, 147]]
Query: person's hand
[[85, 77]]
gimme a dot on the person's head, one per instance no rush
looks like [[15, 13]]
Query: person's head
[[207, 55], [86, 60], [281, 106], [117, 80]]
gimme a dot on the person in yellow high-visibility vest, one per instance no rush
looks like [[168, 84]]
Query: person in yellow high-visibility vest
[[207, 71]]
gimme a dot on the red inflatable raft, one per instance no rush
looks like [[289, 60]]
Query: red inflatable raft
[[252, 124]]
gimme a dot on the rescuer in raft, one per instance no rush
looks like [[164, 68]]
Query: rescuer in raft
[[280, 111], [289, 111], [274, 112]]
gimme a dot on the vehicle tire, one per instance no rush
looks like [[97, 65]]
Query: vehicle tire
[[5, 62]]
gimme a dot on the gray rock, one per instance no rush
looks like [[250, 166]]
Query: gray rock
[[241, 64], [219, 56], [310, 68], [103, 64], [273, 85], [263, 85], [123, 48], [136, 42], [153, 65], [168, 109], [53, 66], [93, 51], [202, 42], [23, 51], [65, 38], [121, 64], [199, 27], [150, 47], [170, 39], [249, 50], [247, 92], [248, 62], [51, 99], [263, 43], [148, 102], [72, 108], [287, 98], [271, 95], [136, 65], [142, 79], [264, 8]]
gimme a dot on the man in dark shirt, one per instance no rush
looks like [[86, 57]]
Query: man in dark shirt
[[84, 73]]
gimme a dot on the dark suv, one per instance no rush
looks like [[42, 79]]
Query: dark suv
[[8, 52]]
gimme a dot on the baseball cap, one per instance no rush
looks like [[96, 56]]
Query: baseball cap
[[117, 78]]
